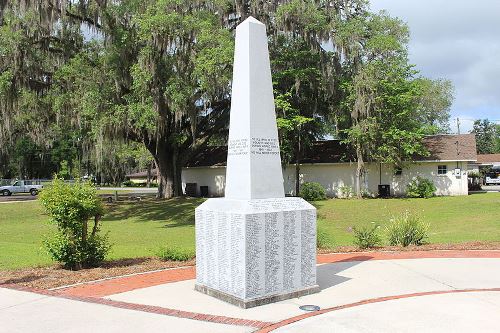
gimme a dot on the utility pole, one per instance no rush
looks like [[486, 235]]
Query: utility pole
[[458, 125]]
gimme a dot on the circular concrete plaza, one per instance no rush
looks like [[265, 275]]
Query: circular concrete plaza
[[432, 291]]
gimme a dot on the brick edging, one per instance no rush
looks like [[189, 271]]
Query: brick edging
[[148, 308], [291, 320]]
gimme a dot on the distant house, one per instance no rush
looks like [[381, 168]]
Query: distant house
[[333, 165], [489, 167], [141, 177], [488, 160]]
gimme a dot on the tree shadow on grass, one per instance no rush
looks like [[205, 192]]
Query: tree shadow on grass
[[177, 212]]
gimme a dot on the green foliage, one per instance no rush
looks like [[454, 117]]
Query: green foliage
[[75, 254], [420, 188], [128, 183], [345, 192], [407, 229], [487, 136], [64, 171], [175, 254], [312, 191], [497, 140], [367, 237], [70, 206], [474, 175]]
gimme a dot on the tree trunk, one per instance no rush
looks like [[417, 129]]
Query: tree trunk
[[359, 171], [84, 231], [169, 166], [165, 176]]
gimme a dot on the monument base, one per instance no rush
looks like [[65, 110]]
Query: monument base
[[250, 303], [254, 252]]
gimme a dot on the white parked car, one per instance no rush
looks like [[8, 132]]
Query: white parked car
[[492, 179], [21, 186]]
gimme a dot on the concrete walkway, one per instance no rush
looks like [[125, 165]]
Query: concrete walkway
[[454, 312], [357, 295], [25, 312]]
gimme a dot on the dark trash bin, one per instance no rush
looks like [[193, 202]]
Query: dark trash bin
[[190, 190], [204, 191], [384, 191]]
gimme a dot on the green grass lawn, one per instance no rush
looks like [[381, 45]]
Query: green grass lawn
[[452, 219], [139, 229]]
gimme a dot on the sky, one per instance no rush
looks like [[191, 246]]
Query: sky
[[458, 40]]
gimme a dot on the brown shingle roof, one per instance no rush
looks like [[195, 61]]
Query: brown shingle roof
[[450, 147], [445, 147], [488, 158]]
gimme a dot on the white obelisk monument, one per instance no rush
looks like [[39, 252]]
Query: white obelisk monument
[[254, 246]]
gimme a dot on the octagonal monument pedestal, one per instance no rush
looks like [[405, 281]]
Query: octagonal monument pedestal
[[254, 252], [255, 246]]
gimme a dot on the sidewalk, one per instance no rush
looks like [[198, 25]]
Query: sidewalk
[[355, 287]]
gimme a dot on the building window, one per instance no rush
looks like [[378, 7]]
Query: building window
[[398, 171], [442, 169]]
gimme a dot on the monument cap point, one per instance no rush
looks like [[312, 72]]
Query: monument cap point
[[252, 19]]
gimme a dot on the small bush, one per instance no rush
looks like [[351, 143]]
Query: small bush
[[312, 192], [367, 237], [70, 207], [76, 254], [407, 229], [175, 254], [420, 188], [128, 183], [346, 192], [365, 193]]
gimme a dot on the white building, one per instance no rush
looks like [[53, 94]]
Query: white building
[[331, 164]]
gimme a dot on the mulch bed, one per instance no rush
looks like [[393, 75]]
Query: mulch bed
[[56, 276], [427, 247]]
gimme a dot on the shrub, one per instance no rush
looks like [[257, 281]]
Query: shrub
[[127, 183], [407, 229], [420, 188], [175, 254], [365, 193], [366, 237], [70, 207], [312, 192], [474, 181], [346, 192]]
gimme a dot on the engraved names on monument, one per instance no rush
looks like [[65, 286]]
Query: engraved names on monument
[[263, 247]]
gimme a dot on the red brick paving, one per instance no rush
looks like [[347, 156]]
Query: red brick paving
[[128, 283]]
